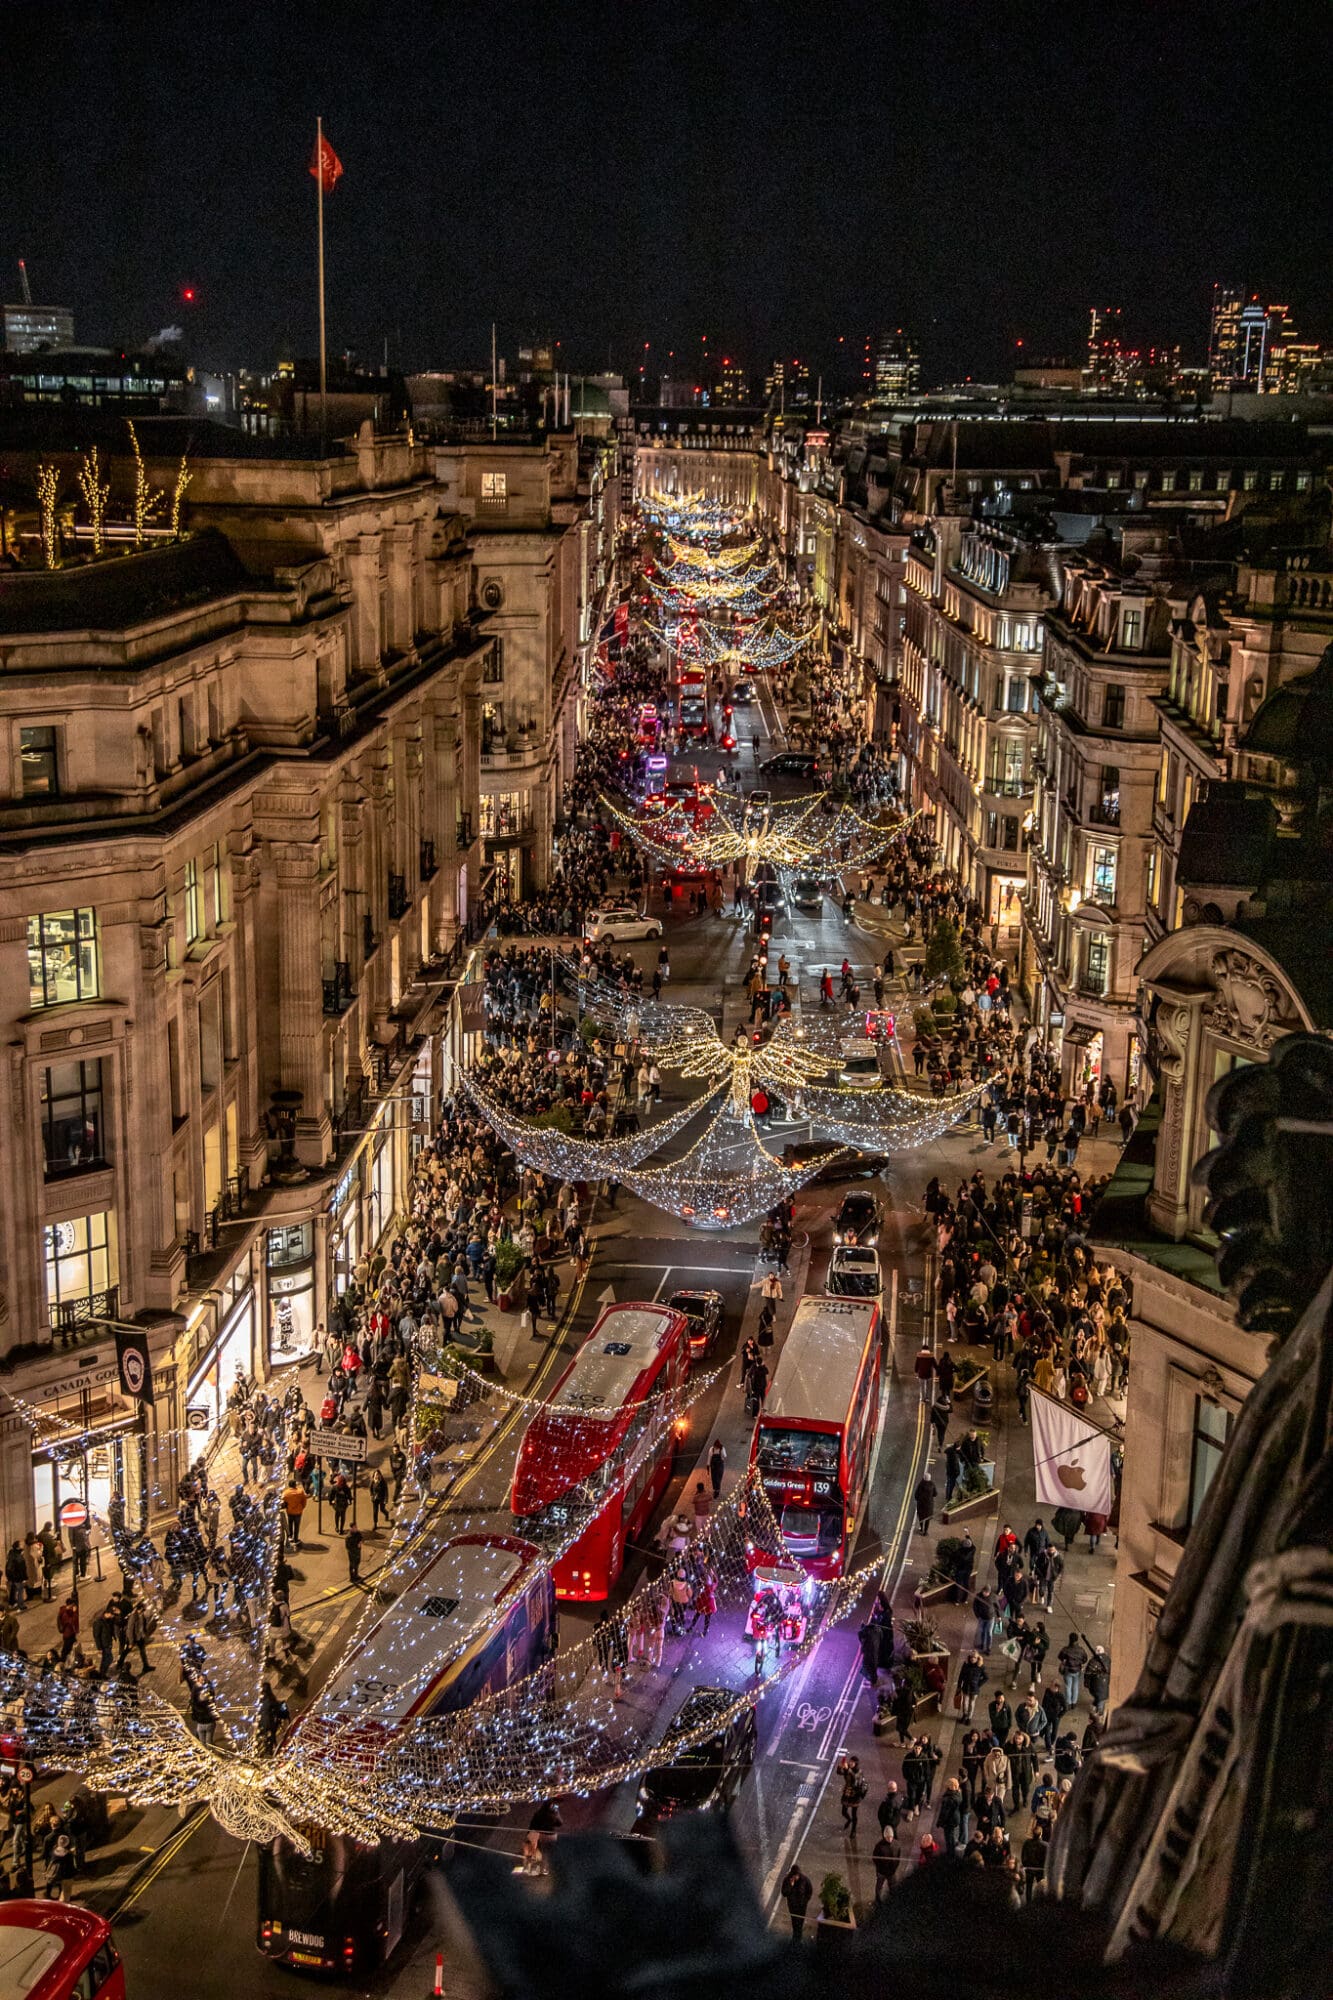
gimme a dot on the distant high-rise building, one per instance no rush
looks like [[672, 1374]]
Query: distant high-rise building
[[897, 366], [733, 385], [1224, 333], [30, 328]]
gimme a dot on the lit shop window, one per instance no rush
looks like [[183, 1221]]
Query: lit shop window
[[62, 957], [78, 1267]]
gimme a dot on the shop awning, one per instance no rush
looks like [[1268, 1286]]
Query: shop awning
[[1080, 1033]]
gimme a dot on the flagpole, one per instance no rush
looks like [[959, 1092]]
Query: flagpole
[[319, 204], [495, 386]]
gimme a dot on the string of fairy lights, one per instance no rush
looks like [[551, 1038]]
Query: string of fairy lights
[[817, 836], [568, 1725]]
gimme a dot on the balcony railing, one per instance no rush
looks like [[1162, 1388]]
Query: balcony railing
[[1105, 813], [338, 994], [398, 897], [464, 830], [368, 937], [428, 866], [1001, 787], [68, 1315]]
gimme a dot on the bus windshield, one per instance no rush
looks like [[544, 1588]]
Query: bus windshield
[[812, 1531], [798, 1451]]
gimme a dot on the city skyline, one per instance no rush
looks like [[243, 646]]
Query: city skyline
[[768, 210]]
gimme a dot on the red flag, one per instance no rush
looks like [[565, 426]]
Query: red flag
[[325, 165]]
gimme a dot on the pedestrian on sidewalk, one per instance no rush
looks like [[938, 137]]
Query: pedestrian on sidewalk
[[67, 1624], [914, 1778], [702, 1506], [340, 1499], [854, 1789], [378, 1489], [797, 1889], [925, 1503], [924, 1367], [352, 1545], [294, 1502], [1073, 1658], [1097, 1680], [886, 1854], [717, 1465], [971, 1678], [950, 1819], [985, 1612]]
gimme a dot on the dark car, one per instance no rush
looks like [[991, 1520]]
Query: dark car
[[742, 694], [707, 1776], [858, 1218], [850, 1164], [703, 1310], [808, 892], [791, 764], [768, 906]]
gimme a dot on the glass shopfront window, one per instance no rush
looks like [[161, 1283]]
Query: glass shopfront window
[[345, 1232], [383, 1182], [291, 1293], [210, 1387]]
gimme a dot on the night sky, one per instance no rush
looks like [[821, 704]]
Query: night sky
[[772, 175]]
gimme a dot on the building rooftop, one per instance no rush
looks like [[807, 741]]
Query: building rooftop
[[1120, 1220], [54, 427], [1227, 839], [121, 591]]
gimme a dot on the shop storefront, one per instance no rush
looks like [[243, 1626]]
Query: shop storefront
[[85, 1448], [1006, 901], [345, 1226], [423, 1098], [233, 1356], [290, 1259], [382, 1181]]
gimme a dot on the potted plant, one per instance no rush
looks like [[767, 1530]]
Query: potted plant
[[975, 1492], [952, 1574], [836, 1919], [927, 1663], [509, 1261]]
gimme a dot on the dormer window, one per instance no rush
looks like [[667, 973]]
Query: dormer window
[[1131, 628]]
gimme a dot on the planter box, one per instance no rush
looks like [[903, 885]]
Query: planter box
[[974, 1506], [833, 1930]]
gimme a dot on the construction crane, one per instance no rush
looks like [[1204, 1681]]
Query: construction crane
[[23, 280]]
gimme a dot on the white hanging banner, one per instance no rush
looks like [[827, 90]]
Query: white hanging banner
[[1071, 1459]]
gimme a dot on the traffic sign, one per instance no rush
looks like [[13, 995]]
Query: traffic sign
[[332, 1444], [26, 1774], [198, 1416], [73, 1514]]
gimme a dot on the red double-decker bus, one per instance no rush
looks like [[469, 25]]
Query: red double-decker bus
[[619, 1457], [815, 1438]]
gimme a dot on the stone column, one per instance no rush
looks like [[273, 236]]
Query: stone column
[[300, 994], [1178, 1024]]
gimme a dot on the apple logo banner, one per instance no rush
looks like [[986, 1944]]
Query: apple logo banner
[[1071, 1457]]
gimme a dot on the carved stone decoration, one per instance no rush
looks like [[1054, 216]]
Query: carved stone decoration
[[1250, 1005], [1195, 1821]]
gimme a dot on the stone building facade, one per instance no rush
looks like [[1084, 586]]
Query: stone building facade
[[240, 835]]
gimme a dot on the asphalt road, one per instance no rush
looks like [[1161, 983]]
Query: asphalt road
[[190, 1921]]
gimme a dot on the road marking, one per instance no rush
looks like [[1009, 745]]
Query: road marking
[[798, 1831], [796, 1837], [721, 1270]]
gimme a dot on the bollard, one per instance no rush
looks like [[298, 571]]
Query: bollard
[[437, 1991]]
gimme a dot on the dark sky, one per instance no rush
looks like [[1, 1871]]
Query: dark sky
[[773, 175]]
